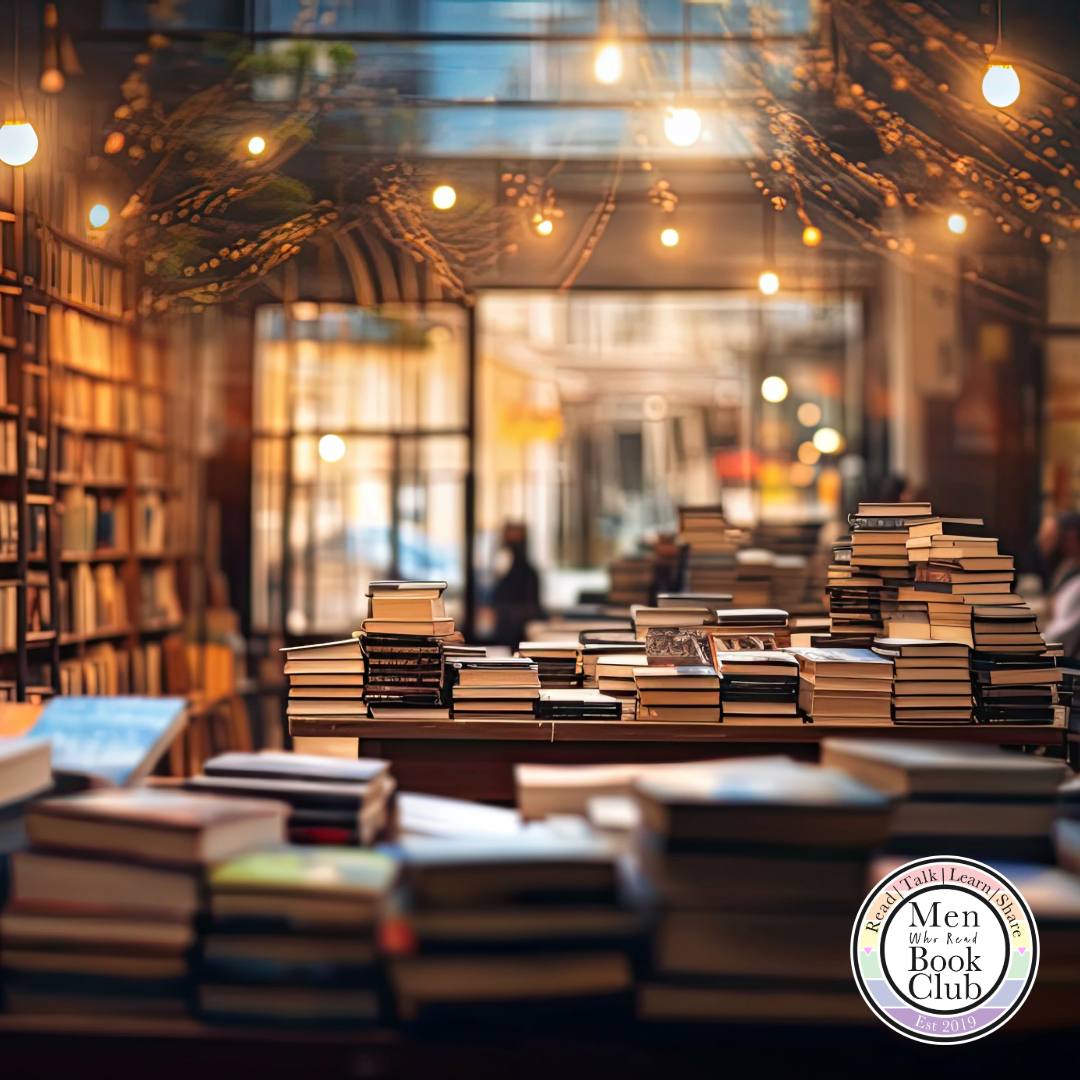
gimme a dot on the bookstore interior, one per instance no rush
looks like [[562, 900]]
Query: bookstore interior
[[519, 520]]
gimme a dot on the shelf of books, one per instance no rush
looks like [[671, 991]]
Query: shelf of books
[[108, 485]]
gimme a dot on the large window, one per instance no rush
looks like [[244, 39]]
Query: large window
[[360, 457]]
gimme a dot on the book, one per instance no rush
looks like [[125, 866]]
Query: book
[[418, 628], [115, 739], [349, 649], [156, 825], [282, 765], [25, 769]]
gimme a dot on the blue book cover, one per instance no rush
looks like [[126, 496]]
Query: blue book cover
[[118, 739]]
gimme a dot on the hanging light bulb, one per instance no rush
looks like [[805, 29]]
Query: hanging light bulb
[[443, 197], [774, 389], [608, 66], [769, 283], [331, 448], [256, 145], [1001, 85], [99, 215], [957, 224], [811, 236], [544, 227], [18, 142], [669, 237], [682, 126]]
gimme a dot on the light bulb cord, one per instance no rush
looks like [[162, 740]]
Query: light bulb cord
[[998, 45]]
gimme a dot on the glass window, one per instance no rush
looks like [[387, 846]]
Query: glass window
[[361, 453]]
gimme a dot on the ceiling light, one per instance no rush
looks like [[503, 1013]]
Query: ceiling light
[[331, 448], [256, 144], [544, 227], [774, 389], [768, 283], [957, 224], [608, 66], [443, 197], [1001, 85], [828, 440], [669, 237], [18, 142], [811, 236], [682, 126], [99, 215]]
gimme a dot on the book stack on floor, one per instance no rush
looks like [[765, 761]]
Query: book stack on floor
[[678, 694], [333, 800], [292, 938], [595, 644], [326, 682], [669, 616], [525, 927], [931, 680], [710, 560], [101, 908], [494, 686], [558, 662], [759, 867], [581, 704], [845, 686], [402, 644], [615, 677], [759, 687], [978, 801]]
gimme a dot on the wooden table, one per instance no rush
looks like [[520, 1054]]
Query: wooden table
[[474, 759]]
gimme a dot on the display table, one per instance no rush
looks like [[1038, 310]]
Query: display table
[[474, 759]]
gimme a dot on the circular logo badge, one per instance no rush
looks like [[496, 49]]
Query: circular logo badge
[[945, 950]]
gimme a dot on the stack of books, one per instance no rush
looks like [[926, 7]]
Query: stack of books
[[402, 644], [758, 866], [101, 908], [595, 644], [1019, 689], [671, 616], [494, 686], [615, 677], [931, 680], [845, 686], [679, 694], [326, 681], [631, 581], [523, 926], [751, 628], [558, 662], [332, 800], [978, 801], [292, 938], [759, 687], [854, 596], [25, 773], [710, 560], [581, 704]]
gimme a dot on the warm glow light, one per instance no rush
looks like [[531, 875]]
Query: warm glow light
[[774, 389], [669, 237], [809, 414], [99, 215], [256, 144], [443, 197], [18, 142], [331, 448], [808, 453], [1001, 85], [800, 474], [828, 440], [957, 224], [811, 236], [608, 66], [682, 126], [768, 283], [544, 227]]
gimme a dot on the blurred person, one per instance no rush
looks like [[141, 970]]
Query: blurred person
[[1059, 542], [516, 596]]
